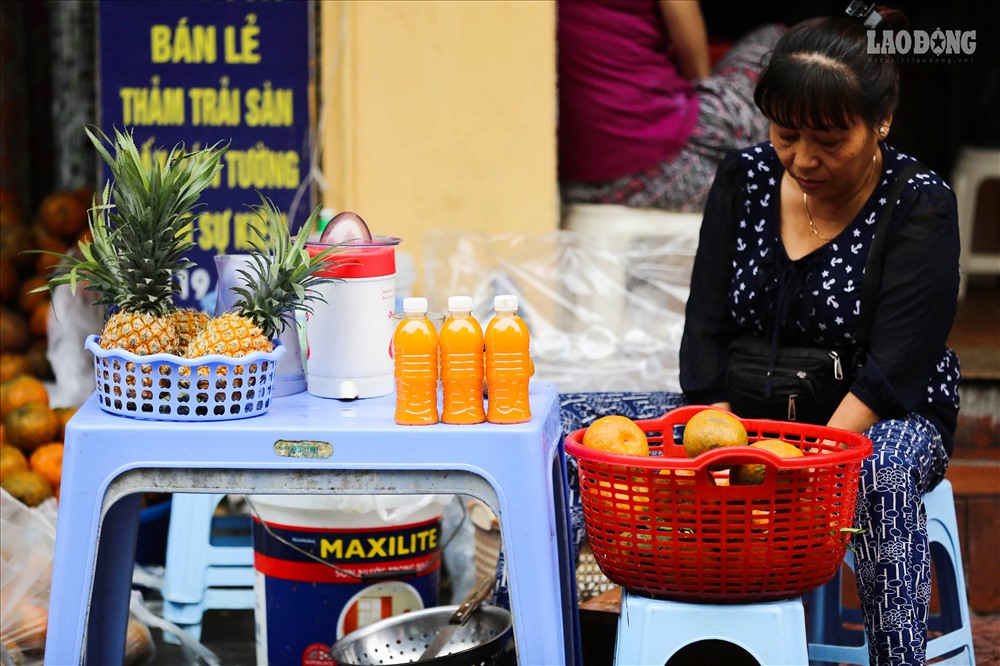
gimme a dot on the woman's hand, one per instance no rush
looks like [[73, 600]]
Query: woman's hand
[[853, 415], [687, 31]]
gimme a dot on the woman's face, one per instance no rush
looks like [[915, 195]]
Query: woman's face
[[826, 163]]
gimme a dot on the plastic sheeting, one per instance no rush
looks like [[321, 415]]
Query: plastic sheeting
[[605, 307]]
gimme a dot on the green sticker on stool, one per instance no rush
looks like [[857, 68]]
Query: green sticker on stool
[[303, 448]]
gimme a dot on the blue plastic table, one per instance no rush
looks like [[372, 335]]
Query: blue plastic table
[[109, 460]]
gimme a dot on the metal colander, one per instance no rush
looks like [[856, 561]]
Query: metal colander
[[401, 639]]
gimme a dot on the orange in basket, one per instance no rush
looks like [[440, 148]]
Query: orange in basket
[[671, 527]]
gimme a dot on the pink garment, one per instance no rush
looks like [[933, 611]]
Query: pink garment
[[623, 106]]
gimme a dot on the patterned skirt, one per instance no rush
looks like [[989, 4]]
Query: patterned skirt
[[727, 119]]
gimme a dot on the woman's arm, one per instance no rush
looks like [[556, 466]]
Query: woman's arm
[[915, 306], [853, 415], [689, 37], [708, 328]]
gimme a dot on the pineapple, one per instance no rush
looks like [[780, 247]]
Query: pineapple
[[281, 279], [187, 323], [139, 241]]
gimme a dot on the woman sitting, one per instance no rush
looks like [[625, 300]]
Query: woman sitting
[[786, 235]]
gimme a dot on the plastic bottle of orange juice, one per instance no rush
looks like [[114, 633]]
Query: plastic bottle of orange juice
[[415, 359], [508, 364], [461, 345]]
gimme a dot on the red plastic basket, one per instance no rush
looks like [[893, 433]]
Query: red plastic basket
[[671, 527]]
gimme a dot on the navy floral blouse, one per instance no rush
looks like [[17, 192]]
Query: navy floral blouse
[[745, 283]]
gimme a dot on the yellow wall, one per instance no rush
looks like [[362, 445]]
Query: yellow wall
[[440, 115]]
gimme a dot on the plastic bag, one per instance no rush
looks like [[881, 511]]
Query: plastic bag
[[389, 509], [71, 319], [605, 309], [27, 548]]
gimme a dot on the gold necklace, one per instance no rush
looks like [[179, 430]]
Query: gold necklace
[[805, 203]]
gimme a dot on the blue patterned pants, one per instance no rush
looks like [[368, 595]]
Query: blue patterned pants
[[892, 554]]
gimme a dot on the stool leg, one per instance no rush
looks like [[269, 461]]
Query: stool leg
[[188, 540], [566, 562], [108, 615], [823, 615], [942, 529]]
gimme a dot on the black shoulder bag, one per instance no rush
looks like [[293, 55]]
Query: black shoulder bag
[[806, 384]]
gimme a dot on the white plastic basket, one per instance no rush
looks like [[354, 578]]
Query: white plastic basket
[[166, 387]]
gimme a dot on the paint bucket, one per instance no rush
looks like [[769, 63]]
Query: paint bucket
[[327, 565]]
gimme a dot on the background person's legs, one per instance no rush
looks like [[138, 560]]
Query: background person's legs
[[727, 119]]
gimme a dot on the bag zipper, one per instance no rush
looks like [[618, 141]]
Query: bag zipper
[[838, 368]]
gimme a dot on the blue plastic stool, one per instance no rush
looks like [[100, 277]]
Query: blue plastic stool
[[200, 575], [306, 445], [830, 642], [650, 631]]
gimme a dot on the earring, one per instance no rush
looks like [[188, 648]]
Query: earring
[[883, 131]]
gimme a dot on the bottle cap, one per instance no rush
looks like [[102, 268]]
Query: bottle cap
[[505, 302], [460, 303], [415, 304], [325, 215]]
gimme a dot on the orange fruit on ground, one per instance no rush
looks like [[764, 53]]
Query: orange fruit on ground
[[85, 194], [11, 460], [616, 434], [20, 391], [38, 361], [28, 299], [63, 213], [27, 486], [31, 425], [13, 241], [45, 263], [38, 322], [14, 331], [10, 208], [139, 646], [47, 461], [28, 624], [84, 237], [753, 475], [12, 365], [711, 428], [64, 414], [46, 240]]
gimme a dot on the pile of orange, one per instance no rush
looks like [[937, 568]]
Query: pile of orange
[[57, 225], [31, 440]]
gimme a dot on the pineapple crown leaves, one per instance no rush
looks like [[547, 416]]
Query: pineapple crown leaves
[[282, 277], [169, 189], [139, 232]]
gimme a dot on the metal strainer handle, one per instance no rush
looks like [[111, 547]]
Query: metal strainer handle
[[461, 615]]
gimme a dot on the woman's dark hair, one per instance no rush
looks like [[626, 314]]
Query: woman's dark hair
[[821, 75]]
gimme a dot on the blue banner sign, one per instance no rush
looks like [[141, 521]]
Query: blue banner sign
[[202, 72]]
